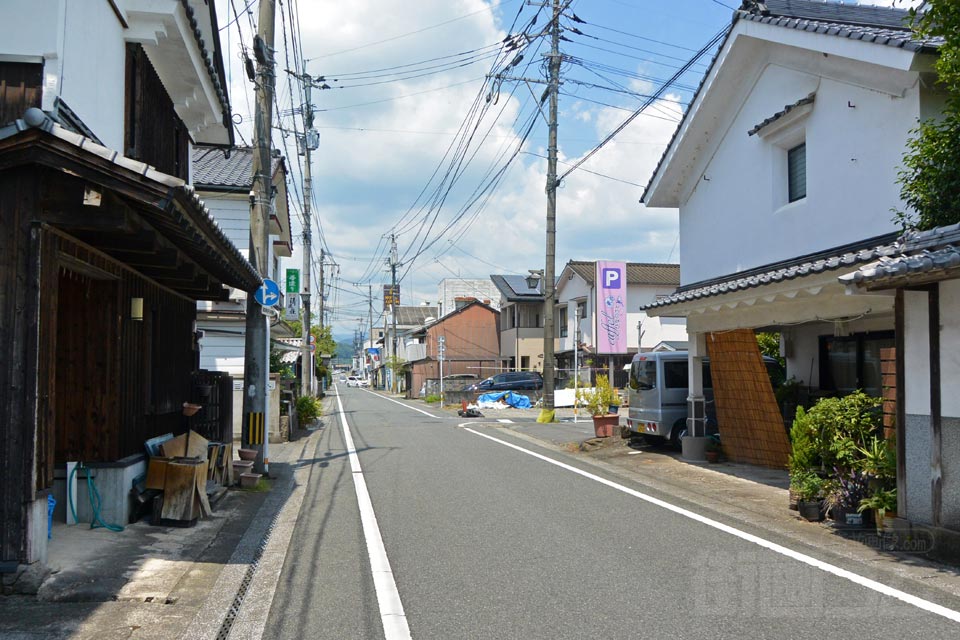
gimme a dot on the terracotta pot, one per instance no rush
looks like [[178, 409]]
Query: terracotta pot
[[247, 454], [604, 426]]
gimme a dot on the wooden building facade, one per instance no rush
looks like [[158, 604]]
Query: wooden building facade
[[102, 261]]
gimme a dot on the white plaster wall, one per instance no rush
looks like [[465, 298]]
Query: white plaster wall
[[82, 46], [735, 219], [481, 288], [222, 351], [916, 357], [949, 354]]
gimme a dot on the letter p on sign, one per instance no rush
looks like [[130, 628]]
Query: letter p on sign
[[611, 278]]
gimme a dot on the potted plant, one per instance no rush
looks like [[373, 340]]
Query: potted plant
[[597, 401], [883, 503], [849, 488], [714, 451], [809, 488]]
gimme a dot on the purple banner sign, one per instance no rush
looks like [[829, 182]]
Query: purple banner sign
[[611, 307]]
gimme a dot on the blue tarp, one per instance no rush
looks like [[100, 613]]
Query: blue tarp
[[509, 397]]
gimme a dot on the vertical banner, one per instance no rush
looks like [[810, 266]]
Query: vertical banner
[[611, 307], [291, 310]]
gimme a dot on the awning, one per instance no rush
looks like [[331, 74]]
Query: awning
[[152, 222]]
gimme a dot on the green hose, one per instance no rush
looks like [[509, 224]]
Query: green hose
[[95, 502]]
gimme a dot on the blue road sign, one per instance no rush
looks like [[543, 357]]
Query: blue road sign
[[268, 294]]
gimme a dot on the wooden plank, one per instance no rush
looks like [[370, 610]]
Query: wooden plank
[[936, 447], [177, 447], [157, 473], [180, 500]]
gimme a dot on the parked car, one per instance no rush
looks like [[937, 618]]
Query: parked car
[[364, 382], [658, 395], [510, 381], [352, 381]]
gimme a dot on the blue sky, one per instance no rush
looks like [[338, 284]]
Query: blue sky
[[403, 77]]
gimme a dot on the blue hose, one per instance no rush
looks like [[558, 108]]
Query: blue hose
[[95, 502]]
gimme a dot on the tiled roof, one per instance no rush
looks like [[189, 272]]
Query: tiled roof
[[211, 170], [515, 289], [415, 315], [637, 272], [223, 252], [924, 253], [780, 272], [879, 25], [779, 114]]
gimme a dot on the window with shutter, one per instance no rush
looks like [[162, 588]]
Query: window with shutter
[[797, 172]]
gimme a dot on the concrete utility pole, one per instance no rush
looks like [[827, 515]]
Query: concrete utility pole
[[547, 413], [394, 303], [306, 362], [370, 315], [549, 364], [257, 340]]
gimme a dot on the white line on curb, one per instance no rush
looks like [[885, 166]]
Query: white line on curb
[[903, 596], [429, 415], [391, 609]]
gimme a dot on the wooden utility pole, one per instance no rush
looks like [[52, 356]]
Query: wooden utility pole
[[257, 341]]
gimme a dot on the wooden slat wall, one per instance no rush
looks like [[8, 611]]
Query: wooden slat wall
[[154, 132], [888, 372], [17, 194], [20, 84], [146, 365], [751, 426]]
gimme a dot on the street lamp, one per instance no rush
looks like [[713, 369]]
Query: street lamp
[[534, 278]]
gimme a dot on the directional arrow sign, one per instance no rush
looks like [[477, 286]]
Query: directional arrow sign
[[268, 294]]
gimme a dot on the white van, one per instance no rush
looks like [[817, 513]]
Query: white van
[[658, 390]]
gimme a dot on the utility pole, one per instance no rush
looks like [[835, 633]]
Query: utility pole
[[323, 257], [547, 413], [370, 317], [306, 362], [394, 303], [257, 340]]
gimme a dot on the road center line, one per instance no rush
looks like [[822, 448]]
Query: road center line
[[429, 415], [392, 616], [903, 596]]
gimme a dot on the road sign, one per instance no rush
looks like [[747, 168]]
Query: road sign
[[293, 280], [313, 338], [391, 295], [268, 294], [313, 348]]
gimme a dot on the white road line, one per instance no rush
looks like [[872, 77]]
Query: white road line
[[429, 415], [391, 609], [903, 596], [505, 420]]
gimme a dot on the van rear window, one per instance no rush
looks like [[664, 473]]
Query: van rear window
[[643, 375]]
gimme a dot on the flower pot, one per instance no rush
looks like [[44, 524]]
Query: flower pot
[[247, 454], [810, 510], [713, 456], [792, 499], [603, 426]]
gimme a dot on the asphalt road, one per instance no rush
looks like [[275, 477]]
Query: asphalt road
[[487, 541]]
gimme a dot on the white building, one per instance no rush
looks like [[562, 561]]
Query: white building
[[576, 296], [224, 181], [452, 290], [784, 170]]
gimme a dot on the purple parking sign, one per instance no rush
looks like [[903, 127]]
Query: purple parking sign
[[611, 305]]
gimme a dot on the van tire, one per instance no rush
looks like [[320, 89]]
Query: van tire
[[679, 429]]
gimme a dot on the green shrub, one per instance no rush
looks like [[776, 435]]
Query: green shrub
[[432, 398], [837, 429], [308, 408], [598, 399]]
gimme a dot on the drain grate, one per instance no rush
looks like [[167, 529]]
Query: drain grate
[[234, 610]]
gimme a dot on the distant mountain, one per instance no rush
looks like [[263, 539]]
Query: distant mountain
[[345, 351]]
